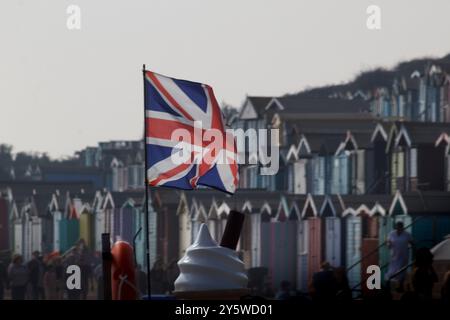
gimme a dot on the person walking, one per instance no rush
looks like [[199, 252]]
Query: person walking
[[50, 283], [423, 275], [84, 259], [18, 278], [324, 284], [398, 242], [36, 271]]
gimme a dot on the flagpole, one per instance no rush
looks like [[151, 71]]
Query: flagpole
[[146, 216]]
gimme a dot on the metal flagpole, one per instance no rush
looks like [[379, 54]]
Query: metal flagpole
[[147, 224]]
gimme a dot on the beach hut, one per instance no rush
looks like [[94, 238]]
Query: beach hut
[[253, 227], [17, 223], [43, 221], [412, 151], [69, 227], [185, 223], [213, 221], [378, 165], [332, 246], [430, 212], [32, 230], [56, 209], [82, 210], [352, 245], [314, 231], [266, 245], [369, 242], [87, 225], [295, 215], [444, 141], [245, 241], [139, 224], [283, 246], [103, 207], [198, 218], [124, 219], [385, 225]]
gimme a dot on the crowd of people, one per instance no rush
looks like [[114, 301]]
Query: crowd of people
[[44, 277]]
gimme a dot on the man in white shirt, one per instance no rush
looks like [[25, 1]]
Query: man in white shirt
[[398, 241]]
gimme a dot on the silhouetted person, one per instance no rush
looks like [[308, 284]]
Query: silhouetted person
[[342, 285], [285, 291], [36, 269], [172, 273], [423, 276], [324, 284], [158, 277], [60, 276], [50, 283], [445, 291], [85, 258], [398, 242], [141, 280], [18, 278]]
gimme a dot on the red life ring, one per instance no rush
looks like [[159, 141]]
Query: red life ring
[[123, 278]]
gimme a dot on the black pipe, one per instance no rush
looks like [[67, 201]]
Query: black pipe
[[107, 261]]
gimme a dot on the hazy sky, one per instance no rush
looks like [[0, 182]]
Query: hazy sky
[[62, 90]]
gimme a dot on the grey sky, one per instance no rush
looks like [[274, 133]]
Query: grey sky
[[61, 90]]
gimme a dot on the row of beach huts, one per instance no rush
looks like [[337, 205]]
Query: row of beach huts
[[55, 221], [289, 235]]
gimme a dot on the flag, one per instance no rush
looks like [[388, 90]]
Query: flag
[[209, 156]]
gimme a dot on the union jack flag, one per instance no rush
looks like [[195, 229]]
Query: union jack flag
[[172, 104]]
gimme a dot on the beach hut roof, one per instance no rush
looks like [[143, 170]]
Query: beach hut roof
[[327, 208], [247, 207], [266, 212], [183, 206], [380, 131], [223, 210], [213, 212], [398, 206], [309, 209], [283, 210], [200, 214]]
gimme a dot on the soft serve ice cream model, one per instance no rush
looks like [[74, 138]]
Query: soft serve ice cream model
[[209, 271]]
